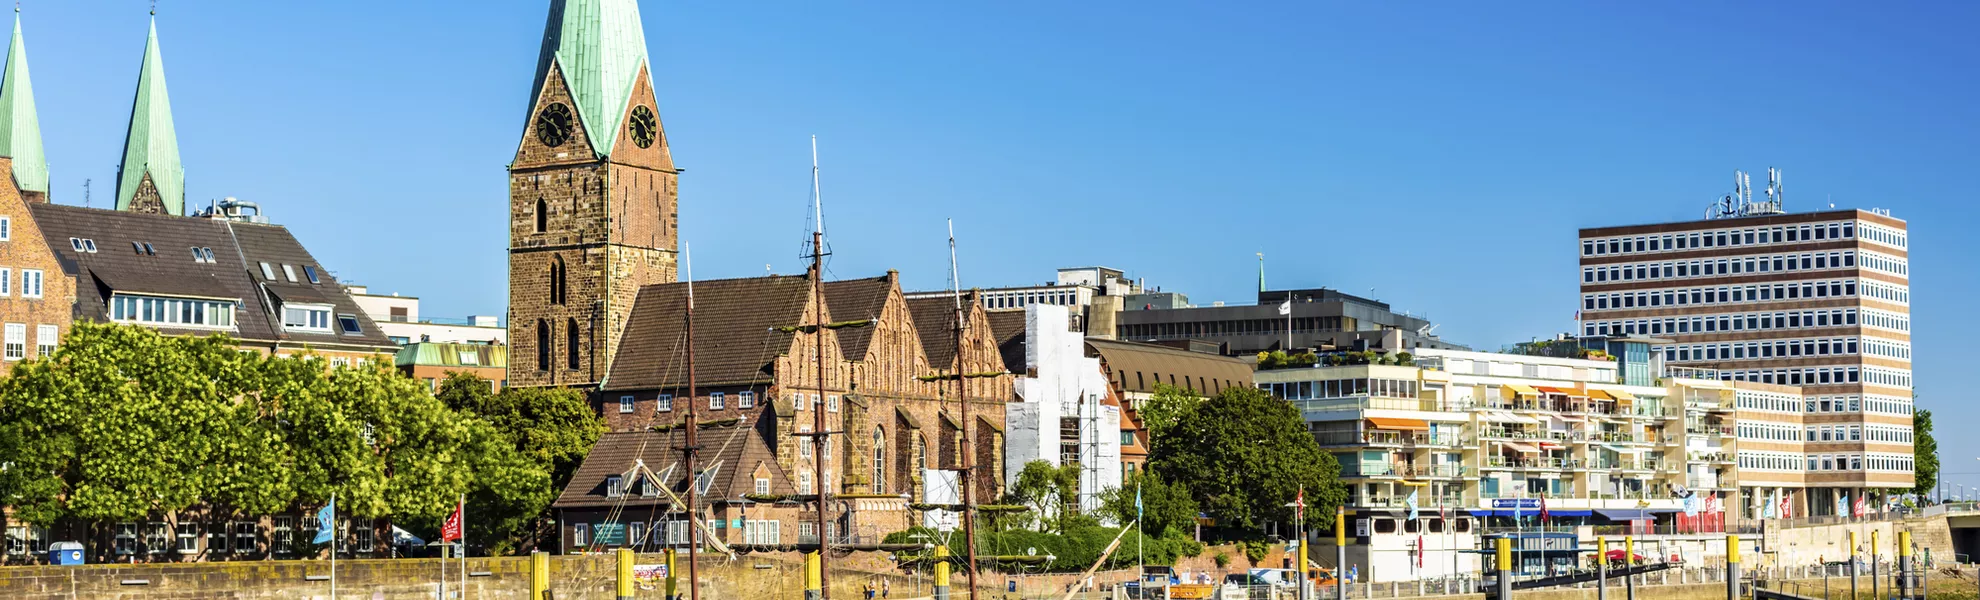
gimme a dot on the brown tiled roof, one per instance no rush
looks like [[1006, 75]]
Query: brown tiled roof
[[735, 332], [171, 269], [732, 452], [1148, 364], [1007, 326], [856, 299], [935, 323]]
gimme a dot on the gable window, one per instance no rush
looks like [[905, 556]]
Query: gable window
[[542, 345], [625, 404], [30, 283], [45, 339], [717, 401], [571, 345], [267, 272], [306, 317], [16, 348], [308, 271], [349, 325]]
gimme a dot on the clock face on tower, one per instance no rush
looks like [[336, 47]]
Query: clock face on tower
[[643, 126], [553, 125]]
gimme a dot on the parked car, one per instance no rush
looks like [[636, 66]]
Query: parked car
[[1244, 586]]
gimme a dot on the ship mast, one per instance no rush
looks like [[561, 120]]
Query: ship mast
[[820, 437], [690, 448], [962, 395]]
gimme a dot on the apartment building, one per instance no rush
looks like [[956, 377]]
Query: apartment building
[[1486, 440], [1818, 301]]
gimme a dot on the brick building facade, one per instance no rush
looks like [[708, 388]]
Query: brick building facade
[[35, 297]]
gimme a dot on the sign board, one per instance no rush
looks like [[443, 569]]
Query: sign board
[[1516, 503], [1361, 528], [608, 534], [649, 572]]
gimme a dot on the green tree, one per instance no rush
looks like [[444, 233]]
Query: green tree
[[1166, 508], [1166, 406], [555, 427], [1051, 492], [1925, 451], [1243, 455]]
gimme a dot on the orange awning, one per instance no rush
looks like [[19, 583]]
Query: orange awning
[[1600, 395], [1562, 391], [1398, 424]]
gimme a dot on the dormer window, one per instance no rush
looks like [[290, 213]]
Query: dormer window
[[306, 317], [614, 487], [649, 488]]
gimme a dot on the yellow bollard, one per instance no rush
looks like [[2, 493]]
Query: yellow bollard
[[1505, 568], [672, 578], [539, 574], [1732, 567], [942, 572], [1629, 550], [812, 576], [625, 573]]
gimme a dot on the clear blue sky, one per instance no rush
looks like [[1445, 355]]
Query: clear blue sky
[[1443, 156]]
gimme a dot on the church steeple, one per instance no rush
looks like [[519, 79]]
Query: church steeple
[[151, 179], [20, 125], [599, 48]]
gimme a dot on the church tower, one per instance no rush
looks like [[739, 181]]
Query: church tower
[[592, 196], [150, 179], [20, 125]]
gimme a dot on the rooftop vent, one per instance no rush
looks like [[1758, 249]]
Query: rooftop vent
[[234, 209]]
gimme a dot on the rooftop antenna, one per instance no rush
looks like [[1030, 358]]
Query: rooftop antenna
[[85, 193]]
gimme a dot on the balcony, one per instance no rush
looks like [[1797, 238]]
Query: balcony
[[1710, 457], [1543, 463], [1620, 437], [1424, 503], [1626, 465], [1412, 439]]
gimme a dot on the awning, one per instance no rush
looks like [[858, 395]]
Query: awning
[[1622, 450], [1521, 390], [1621, 395], [1600, 395], [1570, 513], [1498, 416], [1549, 446], [1522, 448], [1571, 418], [1393, 424], [1561, 391], [1623, 514]]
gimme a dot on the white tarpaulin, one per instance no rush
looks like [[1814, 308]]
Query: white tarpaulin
[[941, 487]]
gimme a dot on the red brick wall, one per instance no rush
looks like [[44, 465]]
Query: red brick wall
[[25, 248]]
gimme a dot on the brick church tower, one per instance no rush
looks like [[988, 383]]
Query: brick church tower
[[592, 196]]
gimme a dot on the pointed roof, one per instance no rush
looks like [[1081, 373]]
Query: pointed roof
[[600, 47], [855, 299], [740, 328], [20, 125], [151, 147]]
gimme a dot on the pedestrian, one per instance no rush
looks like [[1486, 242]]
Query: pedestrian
[[869, 590], [885, 588]]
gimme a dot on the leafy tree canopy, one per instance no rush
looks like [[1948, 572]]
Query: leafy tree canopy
[[1166, 510], [1925, 451], [1243, 455]]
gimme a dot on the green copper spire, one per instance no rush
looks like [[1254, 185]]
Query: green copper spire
[[20, 126], [151, 147], [599, 47]]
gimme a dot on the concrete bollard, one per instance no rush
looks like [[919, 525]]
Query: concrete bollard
[[941, 573], [625, 587], [813, 577], [1505, 566], [1732, 567], [539, 575]]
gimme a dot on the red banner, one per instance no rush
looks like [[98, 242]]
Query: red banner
[[452, 530]]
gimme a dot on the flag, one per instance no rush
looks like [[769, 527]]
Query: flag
[[1862, 507], [1767, 511], [1285, 308], [1712, 504], [1787, 505], [1842, 505], [1299, 500], [1543, 510], [1691, 506], [326, 522], [1137, 502], [1410, 503], [452, 530]]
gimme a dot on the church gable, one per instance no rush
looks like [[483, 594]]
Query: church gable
[[642, 137], [553, 135]]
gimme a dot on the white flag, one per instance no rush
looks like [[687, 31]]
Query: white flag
[[1285, 308]]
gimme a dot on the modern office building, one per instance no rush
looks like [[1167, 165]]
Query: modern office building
[[1484, 441], [1321, 319], [1818, 301], [399, 317], [1086, 292]]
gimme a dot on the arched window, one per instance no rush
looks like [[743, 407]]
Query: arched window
[[571, 344], [543, 341], [556, 279], [879, 460], [542, 216]]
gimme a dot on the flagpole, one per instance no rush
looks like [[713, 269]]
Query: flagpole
[[333, 546], [462, 507]]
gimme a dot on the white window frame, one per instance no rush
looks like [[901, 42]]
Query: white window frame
[[665, 403], [16, 347], [717, 401], [746, 399], [625, 404], [289, 272], [312, 310], [46, 338], [31, 280]]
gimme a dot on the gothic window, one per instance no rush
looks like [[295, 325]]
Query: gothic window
[[542, 345], [571, 344], [556, 279], [879, 461], [542, 216]]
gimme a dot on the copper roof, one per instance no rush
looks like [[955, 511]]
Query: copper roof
[[736, 334], [1148, 364], [733, 452]]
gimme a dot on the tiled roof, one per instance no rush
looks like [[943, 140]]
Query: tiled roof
[[735, 335], [1148, 364], [856, 299], [1007, 329], [732, 452], [935, 322], [170, 269]]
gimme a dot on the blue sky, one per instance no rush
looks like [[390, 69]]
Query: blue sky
[[1442, 155]]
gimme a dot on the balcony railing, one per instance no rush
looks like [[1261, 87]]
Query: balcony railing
[[1711, 457]]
